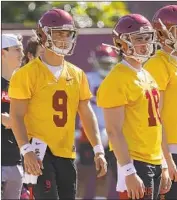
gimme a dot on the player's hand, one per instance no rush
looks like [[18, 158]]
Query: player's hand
[[6, 120], [101, 164], [172, 169], [165, 184], [135, 186], [32, 164]]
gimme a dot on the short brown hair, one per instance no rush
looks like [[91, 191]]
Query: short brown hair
[[31, 47], [7, 48]]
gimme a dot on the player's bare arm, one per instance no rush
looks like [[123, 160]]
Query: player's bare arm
[[166, 183], [169, 159], [89, 121], [135, 186], [90, 125], [18, 109]]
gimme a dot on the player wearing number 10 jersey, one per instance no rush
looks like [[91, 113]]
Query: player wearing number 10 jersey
[[46, 95], [163, 67], [129, 97]]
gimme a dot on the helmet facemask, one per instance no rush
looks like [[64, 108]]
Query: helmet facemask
[[171, 35], [145, 37], [54, 41]]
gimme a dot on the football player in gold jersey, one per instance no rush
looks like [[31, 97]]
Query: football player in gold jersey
[[163, 67], [129, 97], [46, 95]]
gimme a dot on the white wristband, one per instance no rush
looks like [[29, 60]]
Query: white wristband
[[128, 169], [98, 149], [164, 163], [26, 148]]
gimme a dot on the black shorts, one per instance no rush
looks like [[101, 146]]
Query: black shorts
[[172, 194], [151, 176], [86, 153], [58, 179], [112, 163]]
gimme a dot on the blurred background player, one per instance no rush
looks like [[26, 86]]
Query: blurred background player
[[12, 171], [102, 60], [163, 67], [32, 50]]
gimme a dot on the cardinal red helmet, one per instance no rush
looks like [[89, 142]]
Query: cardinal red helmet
[[103, 59], [165, 23], [55, 25], [130, 26]]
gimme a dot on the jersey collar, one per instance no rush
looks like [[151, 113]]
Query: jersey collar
[[124, 62]]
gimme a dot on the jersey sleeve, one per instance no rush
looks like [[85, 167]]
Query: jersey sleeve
[[85, 92], [19, 87], [111, 93], [157, 68]]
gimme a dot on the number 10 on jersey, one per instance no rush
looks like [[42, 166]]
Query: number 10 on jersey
[[153, 101]]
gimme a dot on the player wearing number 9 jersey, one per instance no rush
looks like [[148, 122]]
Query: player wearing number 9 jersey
[[46, 95], [129, 97], [53, 102]]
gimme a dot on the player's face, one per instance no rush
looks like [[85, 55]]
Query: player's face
[[173, 30], [170, 47], [142, 43], [106, 65], [14, 56], [61, 38]]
